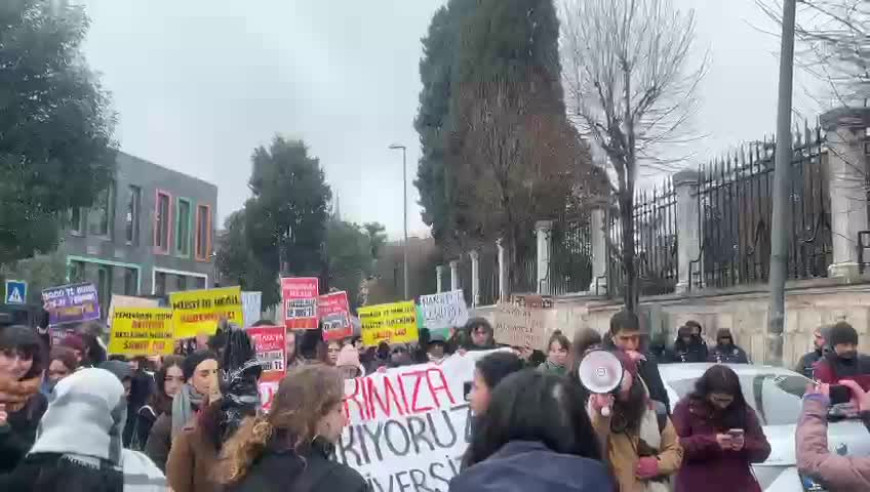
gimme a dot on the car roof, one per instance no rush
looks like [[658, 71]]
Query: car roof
[[672, 372]]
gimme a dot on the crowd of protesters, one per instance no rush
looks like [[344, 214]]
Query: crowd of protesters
[[73, 418]]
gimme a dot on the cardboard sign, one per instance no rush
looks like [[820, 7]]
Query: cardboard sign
[[391, 323], [269, 342], [409, 424], [119, 301], [251, 307], [444, 311], [520, 326], [141, 331], [299, 298], [334, 312], [199, 311], [75, 303]]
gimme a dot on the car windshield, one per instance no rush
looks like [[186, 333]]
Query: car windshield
[[776, 398]]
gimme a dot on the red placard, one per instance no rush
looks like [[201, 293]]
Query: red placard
[[270, 344], [299, 300], [334, 312]]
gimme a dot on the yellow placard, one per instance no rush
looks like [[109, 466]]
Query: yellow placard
[[199, 311], [142, 331], [391, 323]]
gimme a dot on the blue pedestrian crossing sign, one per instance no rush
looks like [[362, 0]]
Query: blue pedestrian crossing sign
[[16, 292]]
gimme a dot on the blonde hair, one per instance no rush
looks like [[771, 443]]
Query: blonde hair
[[304, 396]]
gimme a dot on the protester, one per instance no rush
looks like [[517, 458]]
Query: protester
[[61, 363], [840, 473], [720, 435], [640, 441], [558, 351], [348, 362], [585, 340], [488, 372], [380, 358], [169, 380], [535, 435], [193, 457], [726, 351], [79, 445], [22, 358], [843, 360], [289, 448], [199, 370], [690, 345], [400, 356], [625, 335], [481, 335], [291, 343], [76, 343], [436, 349], [142, 386], [333, 347], [122, 371], [807, 362]]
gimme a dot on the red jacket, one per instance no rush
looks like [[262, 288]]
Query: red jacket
[[706, 467]]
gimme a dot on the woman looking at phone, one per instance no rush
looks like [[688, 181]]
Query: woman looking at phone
[[720, 434]]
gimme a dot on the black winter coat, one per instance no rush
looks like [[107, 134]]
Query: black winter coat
[[19, 433]]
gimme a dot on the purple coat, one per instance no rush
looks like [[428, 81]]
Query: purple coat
[[706, 466]]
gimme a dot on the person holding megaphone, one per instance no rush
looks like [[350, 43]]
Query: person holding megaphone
[[635, 432]]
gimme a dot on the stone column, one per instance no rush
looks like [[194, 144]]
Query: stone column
[[598, 231], [543, 228], [454, 274], [439, 274], [847, 167], [475, 277], [688, 226], [503, 287]]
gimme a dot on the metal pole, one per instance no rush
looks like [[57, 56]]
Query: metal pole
[[781, 191], [405, 221]]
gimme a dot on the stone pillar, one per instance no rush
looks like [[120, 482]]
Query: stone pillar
[[503, 287], [847, 167], [475, 277], [598, 231], [439, 274], [543, 228], [454, 274], [688, 226]]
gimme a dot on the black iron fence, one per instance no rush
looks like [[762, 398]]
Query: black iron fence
[[570, 268], [735, 203], [488, 274]]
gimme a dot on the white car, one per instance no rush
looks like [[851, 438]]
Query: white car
[[775, 393]]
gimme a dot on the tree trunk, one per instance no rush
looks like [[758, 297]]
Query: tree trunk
[[630, 288]]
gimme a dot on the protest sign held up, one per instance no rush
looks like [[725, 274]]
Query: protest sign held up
[[523, 322], [269, 342], [334, 312], [299, 299], [251, 305], [391, 323], [141, 331], [444, 310], [119, 301], [75, 303], [198, 311]]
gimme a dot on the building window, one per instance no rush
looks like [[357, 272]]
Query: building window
[[76, 271], [77, 218], [102, 213], [203, 232], [104, 286], [182, 231], [180, 283], [200, 282], [131, 282], [159, 283], [134, 204], [163, 211]]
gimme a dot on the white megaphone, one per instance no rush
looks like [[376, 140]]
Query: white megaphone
[[600, 372]]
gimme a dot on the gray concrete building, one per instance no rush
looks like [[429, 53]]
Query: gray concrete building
[[150, 233]]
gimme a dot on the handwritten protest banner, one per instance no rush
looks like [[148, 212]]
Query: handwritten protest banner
[[269, 342], [444, 311], [391, 323], [520, 326], [299, 298], [141, 331], [251, 304], [74, 303], [334, 312], [409, 426], [198, 311], [119, 301]]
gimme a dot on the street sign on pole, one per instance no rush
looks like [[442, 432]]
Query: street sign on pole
[[16, 292]]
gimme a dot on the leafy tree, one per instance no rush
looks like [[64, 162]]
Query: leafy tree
[[349, 256], [40, 272], [56, 151], [377, 237]]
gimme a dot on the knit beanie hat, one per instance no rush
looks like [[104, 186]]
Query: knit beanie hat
[[843, 332], [195, 359]]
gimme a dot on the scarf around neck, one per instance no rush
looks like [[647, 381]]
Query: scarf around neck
[[185, 404]]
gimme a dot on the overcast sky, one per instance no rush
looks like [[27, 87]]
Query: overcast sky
[[198, 84]]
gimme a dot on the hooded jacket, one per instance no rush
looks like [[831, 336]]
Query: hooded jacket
[[694, 351], [521, 466], [727, 354]]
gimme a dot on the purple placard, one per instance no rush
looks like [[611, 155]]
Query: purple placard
[[71, 304]]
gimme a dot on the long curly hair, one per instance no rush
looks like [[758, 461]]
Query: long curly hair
[[304, 396]]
